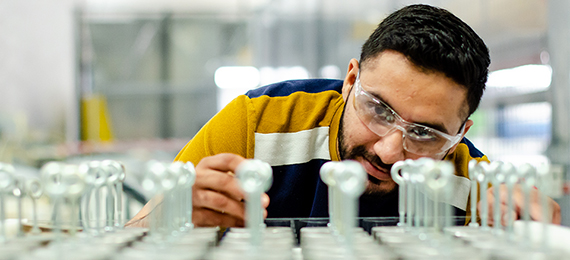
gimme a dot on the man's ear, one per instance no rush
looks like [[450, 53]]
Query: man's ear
[[350, 78], [468, 125]]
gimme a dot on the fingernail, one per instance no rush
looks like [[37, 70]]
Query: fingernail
[[265, 199]]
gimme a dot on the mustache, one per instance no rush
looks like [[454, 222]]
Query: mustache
[[360, 151]]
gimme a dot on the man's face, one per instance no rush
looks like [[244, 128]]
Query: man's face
[[418, 96]]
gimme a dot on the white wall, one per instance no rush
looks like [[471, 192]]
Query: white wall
[[199, 6], [37, 64], [37, 59]]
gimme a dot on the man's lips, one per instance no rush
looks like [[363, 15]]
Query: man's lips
[[375, 171]]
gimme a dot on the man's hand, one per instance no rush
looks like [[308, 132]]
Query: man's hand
[[518, 202], [217, 198], [216, 195]]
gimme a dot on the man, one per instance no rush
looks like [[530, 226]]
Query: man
[[420, 76]]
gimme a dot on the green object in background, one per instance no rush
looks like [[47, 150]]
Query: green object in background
[[480, 123]]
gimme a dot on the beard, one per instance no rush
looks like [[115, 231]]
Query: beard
[[374, 186]]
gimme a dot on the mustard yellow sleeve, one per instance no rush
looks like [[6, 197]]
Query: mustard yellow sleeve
[[460, 159], [230, 131]]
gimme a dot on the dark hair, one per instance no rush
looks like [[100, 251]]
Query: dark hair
[[434, 39]]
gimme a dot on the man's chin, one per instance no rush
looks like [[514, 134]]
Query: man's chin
[[376, 187]]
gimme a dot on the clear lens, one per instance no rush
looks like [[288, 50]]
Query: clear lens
[[422, 148], [381, 120], [422, 134]]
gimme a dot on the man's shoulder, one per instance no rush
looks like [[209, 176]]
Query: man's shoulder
[[286, 88], [463, 154], [473, 151]]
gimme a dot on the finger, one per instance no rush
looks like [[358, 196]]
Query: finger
[[264, 200], [490, 205], [138, 222], [211, 173], [506, 218], [503, 193], [219, 182], [536, 211], [202, 217], [491, 213], [536, 205], [556, 214], [141, 218], [224, 162], [219, 202], [517, 197], [518, 201], [490, 200]]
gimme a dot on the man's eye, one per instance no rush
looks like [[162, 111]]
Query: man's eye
[[383, 113], [422, 134]]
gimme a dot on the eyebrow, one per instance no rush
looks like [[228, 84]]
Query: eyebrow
[[436, 126]]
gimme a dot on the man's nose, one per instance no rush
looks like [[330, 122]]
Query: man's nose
[[390, 148]]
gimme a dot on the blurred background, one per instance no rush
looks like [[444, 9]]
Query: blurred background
[[136, 79]]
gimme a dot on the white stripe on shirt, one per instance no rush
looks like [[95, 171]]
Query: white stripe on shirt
[[293, 148], [300, 147], [461, 190]]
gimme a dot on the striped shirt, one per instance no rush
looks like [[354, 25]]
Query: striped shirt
[[293, 126]]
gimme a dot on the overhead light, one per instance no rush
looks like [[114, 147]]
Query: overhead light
[[271, 75], [236, 77], [330, 72], [523, 78]]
